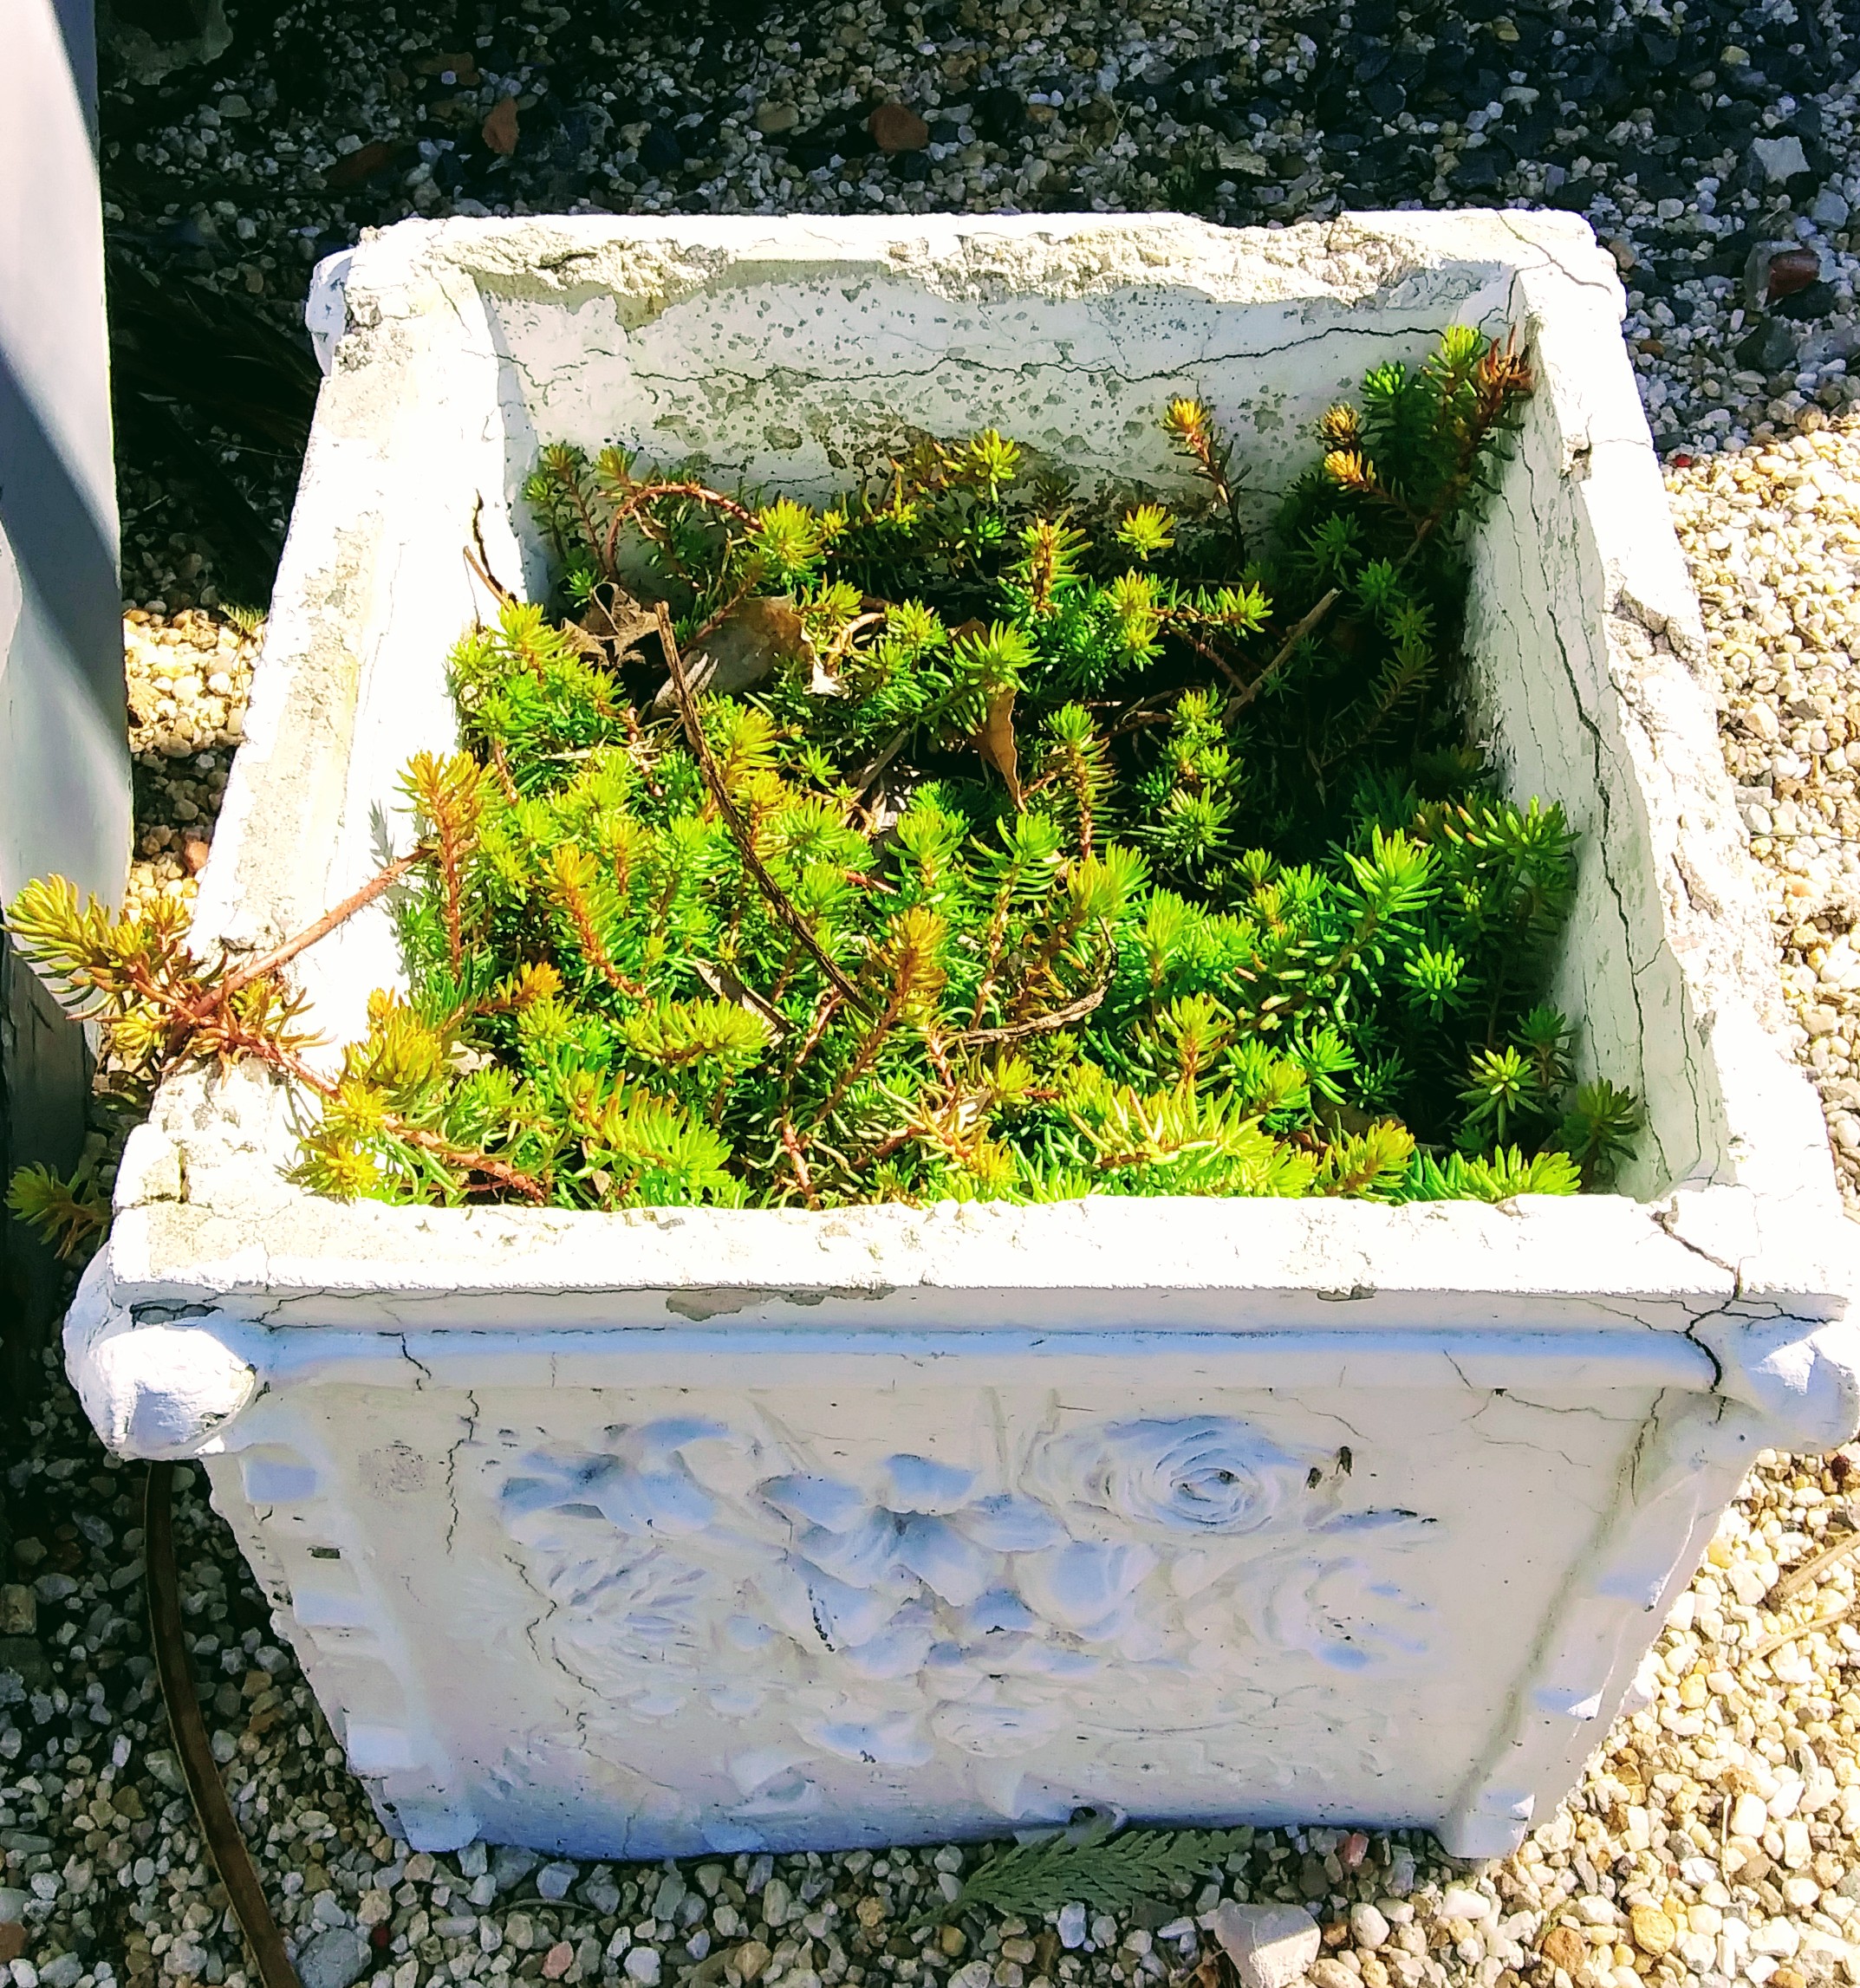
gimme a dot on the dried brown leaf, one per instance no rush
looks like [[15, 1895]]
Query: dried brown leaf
[[499, 129], [995, 741], [740, 651], [617, 621]]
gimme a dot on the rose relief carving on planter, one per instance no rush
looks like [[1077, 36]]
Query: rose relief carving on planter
[[920, 1612]]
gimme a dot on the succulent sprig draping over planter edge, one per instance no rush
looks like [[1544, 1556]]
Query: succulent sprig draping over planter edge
[[967, 838]]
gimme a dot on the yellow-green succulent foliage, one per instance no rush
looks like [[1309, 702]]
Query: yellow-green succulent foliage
[[984, 843]]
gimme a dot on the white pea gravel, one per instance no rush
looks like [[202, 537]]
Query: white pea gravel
[[1773, 536], [1717, 1837], [188, 680], [1700, 137]]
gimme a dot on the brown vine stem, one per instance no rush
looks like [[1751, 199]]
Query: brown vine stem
[[1040, 1025], [479, 560], [219, 1829], [646, 493], [281, 955], [778, 899], [1239, 701]]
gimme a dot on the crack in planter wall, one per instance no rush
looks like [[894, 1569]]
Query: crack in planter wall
[[687, 1530]]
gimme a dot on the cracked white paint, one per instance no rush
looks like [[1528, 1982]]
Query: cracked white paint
[[684, 1530]]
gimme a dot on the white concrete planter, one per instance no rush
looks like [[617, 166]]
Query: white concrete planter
[[687, 1532]]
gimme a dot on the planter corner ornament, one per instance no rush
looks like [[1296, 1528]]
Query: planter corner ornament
[[684, 1531]]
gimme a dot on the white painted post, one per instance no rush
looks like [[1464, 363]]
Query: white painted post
[[64, 771]]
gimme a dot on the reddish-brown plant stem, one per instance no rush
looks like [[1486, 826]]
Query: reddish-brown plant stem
[[1075, 771], [647, 493], [797, 1160], [829, 1006], [572, 483], [1500, 378], [588, 937], [1306, 624], [1055, 941], [886, 1021], [501, 765], [779, 901], [214, 1001], [724, 613], [356, 900], [451, 858], [992, 954], [467, 1160]]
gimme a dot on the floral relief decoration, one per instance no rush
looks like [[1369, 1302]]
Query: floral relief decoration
[[921, 1611]]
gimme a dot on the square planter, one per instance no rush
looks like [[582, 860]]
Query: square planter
[[679, 1530]]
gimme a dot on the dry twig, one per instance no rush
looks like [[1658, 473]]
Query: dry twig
[[1797, 1578], [1239, 701], [1771, 1644], [778, 899], [1039, 1025]]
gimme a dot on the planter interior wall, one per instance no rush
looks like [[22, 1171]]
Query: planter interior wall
[[682, 1530]]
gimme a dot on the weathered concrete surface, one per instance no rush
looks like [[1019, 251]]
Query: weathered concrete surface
[[686, 1530]]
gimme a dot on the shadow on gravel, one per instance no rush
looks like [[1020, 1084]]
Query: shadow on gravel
[[197, 375]]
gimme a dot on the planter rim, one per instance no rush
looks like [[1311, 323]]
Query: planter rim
[[1591, 1246], [1363, 253]]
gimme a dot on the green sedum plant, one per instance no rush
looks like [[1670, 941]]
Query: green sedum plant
[[964, 839]]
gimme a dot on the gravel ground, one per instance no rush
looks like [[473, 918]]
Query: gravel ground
[[188, 680], [1717, 1836], [1773, 537]]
